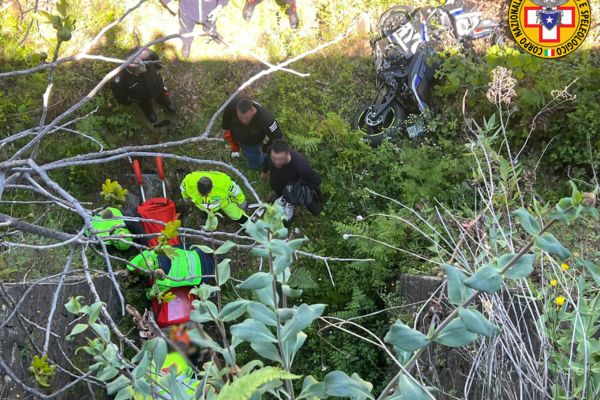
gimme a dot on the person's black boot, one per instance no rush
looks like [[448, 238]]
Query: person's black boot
[[248, 10], [166, 103], [150, 115]]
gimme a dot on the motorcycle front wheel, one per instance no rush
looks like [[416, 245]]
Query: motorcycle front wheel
[[389, 127]]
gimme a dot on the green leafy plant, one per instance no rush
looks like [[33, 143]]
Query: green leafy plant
[[63, 23], [42, 371], [113, 192]]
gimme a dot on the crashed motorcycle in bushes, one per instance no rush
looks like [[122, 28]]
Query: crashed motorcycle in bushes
[[406, 39]]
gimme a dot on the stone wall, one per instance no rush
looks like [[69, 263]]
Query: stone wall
[[20, 340]]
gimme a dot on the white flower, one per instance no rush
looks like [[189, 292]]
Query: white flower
[[360, 218], [346, 236]]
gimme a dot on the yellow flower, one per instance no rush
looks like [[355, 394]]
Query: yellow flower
[[553, 282], [559, 301], [564, 266]]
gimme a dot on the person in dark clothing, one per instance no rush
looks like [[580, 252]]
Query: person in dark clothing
[[141, 82], [288, 5], [292, 179], [248, 125]]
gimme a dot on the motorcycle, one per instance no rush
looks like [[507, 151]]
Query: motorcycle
[[403, 47]]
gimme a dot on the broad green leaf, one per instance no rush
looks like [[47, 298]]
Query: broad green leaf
[[408, 389], [305, 315], [225, 247], [94, 312], [119, 383], [576, 195], [101, 330], [251, 366], [204, 311], [476, 322], [202, 247], [204, 291], [258, 280], [286, 313], [288, 291], [204, 341], [257, 230], [279, 247], [224, 269], [527, 221], [142, 387], [242, 388], [262, 313], [486, 279], [457, 291], [212, 223], [280, 263], [253, 331], [592, 268], [312, 389], [74, 305], [268, 351], [158, 348], [566, 211], [124, 394], [548, 243], [522, 268], [296, 243], [178, 390], [233, 310], [292, 345], [140, 370], [337, 383], [405, 338], [455, 334], [260, 252], [171, 230], [77, 329], [267, 297]]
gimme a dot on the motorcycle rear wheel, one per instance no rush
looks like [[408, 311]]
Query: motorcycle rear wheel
[[389, 128]]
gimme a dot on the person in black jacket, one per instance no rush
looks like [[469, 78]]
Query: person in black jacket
[[248, 125], [289, 7], [292, 179], [141, 82]]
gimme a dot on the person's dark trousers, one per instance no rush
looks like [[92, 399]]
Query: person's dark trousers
[[164, 99], [289, 7], [314, 207], [253, 155], [146, 106], [135, 227]]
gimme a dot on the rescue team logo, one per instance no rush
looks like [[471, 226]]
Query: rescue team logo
[[549, 28]]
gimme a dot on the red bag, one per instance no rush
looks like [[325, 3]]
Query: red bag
[[159, 209], [176, 311]]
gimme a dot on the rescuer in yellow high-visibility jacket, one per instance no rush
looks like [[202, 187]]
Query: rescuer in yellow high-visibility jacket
[[215, 191]]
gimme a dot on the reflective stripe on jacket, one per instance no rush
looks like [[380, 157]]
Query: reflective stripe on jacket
[[184, 265]]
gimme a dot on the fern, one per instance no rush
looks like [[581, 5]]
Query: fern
[[360, 302], [307, 144], [303, 279], [244, 387]]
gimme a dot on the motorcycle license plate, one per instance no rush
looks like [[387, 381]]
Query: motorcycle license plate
[[415, 130]]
